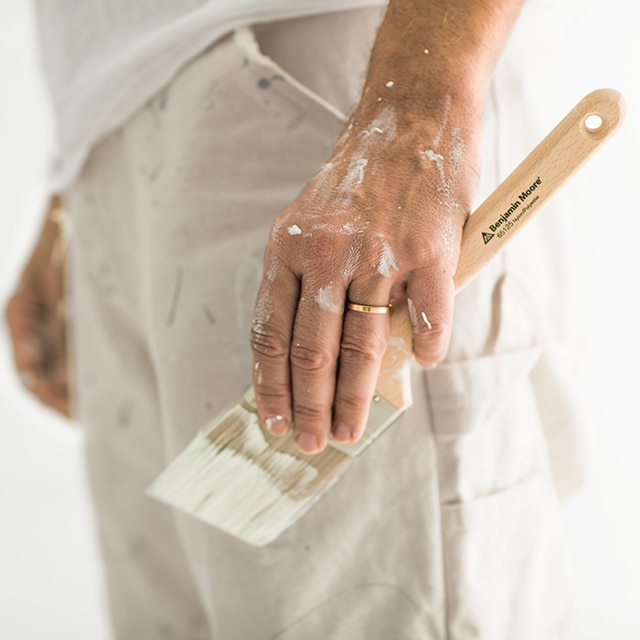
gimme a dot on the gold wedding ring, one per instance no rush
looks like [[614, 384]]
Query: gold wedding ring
[[368, 308]]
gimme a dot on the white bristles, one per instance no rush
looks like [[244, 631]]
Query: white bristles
[[239, 483]]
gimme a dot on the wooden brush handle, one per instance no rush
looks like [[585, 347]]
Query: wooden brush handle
[[505, 212]]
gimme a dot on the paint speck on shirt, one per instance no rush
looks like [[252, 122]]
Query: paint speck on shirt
[[294, 230], [426, 51], [390, 84]]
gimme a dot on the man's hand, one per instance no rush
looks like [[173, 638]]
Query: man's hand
[[381, 221], [36, 319]]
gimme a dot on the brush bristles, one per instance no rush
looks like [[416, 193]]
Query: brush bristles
[[240, 479]]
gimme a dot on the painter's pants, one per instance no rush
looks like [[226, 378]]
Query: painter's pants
[[448, 527]]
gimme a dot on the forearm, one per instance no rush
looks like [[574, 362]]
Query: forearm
[[430, 55]]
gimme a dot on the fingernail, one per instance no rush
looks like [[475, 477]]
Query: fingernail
[[277, 425], [343, 434], [307, 442]]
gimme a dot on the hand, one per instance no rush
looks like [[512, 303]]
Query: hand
[[36, 319], [381, 221]]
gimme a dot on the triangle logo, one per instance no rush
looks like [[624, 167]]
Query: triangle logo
[[487, 236]]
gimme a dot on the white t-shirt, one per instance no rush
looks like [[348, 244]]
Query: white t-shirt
[[104, 58]]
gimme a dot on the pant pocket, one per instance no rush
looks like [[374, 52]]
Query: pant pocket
[[505, 573]]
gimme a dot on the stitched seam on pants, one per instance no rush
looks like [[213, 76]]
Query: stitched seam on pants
[[445, 582]]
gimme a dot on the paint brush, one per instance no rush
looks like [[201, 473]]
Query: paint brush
[[236, 476]]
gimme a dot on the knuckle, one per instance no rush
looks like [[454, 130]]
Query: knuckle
[[309, 412], [271, 395], [353, 404], [266, 343], [365, 352], [311, 358], [323, 249], [431, 345], [433, 333]]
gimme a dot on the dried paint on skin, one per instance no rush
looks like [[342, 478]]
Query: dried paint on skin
[[257, 374], [263, 311], [387, 262], [438, 160], [444, 121], [272, 272], [413, 316], [384, 124], [325, 180], [456, 150], [351, 263], [381, 129], [349, 228], [328, 300], [448, 235], [278, 224], [355, 174], [455, 153], [294, 230], [390, 84]]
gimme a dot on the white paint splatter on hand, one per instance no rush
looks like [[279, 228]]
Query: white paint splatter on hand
[[355, 174], [413, 316], [438, 159], [387, 262], [263, 311], [456, 150], [351, 263], [423, 315], [294, 230], [328, 300]]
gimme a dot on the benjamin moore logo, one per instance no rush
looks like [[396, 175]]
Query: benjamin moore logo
[[503, 224]]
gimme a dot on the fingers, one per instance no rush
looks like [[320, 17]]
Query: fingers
[[271, 332], [295, 346], [316, 365], [296, 377], [364, 340], [39, 350], [24, 318], [314, 358], [430, 297]]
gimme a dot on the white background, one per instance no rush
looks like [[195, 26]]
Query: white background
[[50, 575]]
